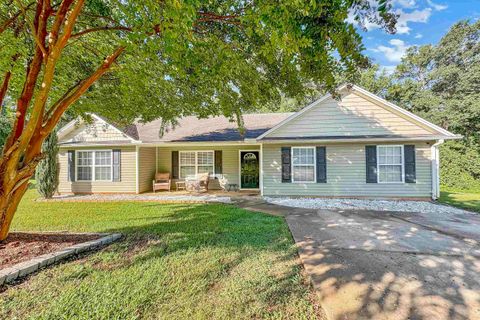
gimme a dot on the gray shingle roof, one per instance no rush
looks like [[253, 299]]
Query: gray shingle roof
[[192, 129]]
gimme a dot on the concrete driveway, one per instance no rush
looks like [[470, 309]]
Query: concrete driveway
[[377, 265]]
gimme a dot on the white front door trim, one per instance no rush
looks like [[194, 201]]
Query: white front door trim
[[240, 168]]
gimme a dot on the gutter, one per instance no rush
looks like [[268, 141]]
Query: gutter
[[435, 154]]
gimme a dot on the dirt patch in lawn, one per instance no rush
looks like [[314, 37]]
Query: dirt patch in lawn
[[22, 246]]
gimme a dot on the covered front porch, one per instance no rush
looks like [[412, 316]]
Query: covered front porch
[[231, 168]]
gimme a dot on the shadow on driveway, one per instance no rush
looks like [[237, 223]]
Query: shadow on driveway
[[380, 265]]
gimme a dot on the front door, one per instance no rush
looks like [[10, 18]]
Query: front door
[[249, 169]]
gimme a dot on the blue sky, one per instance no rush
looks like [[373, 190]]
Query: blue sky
[[421, 22]]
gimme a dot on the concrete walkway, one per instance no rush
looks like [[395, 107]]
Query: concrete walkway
[[380, 265]]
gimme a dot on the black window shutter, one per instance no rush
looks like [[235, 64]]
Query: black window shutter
[[286, 165], [321, 165], [218, 163], [409, 157], [371, 162], [116, 164], [174, 164], [71, 166]]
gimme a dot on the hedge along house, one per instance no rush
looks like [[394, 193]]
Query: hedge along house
[[358, 146]]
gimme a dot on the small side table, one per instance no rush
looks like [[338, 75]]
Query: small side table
[[232, 186], [180, 185]]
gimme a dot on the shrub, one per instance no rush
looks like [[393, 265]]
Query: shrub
[[460, 165], [5, 128], [47, 170]]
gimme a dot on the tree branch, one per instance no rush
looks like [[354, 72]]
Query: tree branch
[[32, 27], [35, 121], [12, 19], [104, 28], [70, 23], [59, 18], [4, 88], [60, 106]]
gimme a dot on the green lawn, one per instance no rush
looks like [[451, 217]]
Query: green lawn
[[469, 200], [176, 262]]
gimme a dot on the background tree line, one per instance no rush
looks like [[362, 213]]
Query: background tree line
[[442, 84]]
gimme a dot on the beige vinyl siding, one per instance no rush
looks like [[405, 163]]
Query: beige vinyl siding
[[127, 174], [346, 175], [230, 160], [96, 131], [354, 115], [146, 168]]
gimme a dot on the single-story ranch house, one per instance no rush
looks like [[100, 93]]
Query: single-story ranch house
[[357, 146]]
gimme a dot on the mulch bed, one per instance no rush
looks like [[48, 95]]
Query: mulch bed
[[22, 246]]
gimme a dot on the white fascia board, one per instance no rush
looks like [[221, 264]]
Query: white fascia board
[[67, 128], [347, 140], [201, 144], [93, 144]]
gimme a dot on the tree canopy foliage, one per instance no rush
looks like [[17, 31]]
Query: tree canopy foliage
[[201, 57], [140, 60]]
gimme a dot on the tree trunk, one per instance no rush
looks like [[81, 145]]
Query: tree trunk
[[8, 206]]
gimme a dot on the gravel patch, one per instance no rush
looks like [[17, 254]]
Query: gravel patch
[[374, 205], [140, 197]]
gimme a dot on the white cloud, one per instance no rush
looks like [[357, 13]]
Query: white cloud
[[418, 36], [437, 6], [405, 17], [405, 3], [395, 52], [420, 16]]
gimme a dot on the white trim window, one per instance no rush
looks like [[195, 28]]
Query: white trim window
[[94, 165], [303, 164], [390, 164], [192, 163]]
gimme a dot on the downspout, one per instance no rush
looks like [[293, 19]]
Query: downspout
[[436, 169]]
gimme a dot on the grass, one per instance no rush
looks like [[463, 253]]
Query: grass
[[469, 200], [177, 261]]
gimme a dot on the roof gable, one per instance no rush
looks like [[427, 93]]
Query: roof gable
[[359, 113], [79, 131]]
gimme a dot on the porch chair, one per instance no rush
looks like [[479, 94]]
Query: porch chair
[[203, 181], [162, 182]]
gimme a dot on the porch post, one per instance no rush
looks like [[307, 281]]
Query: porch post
[[137, 150], [261, 169]]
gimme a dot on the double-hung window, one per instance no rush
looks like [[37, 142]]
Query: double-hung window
[[94, 165], [303, 164], [196, 162], [390, 164]]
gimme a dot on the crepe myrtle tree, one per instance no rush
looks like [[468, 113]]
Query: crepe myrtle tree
[[150, 59]]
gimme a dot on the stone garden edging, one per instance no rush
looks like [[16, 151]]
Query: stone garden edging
[[22, 269]]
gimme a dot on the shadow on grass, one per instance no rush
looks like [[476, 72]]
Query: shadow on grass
[[189, 227], [460, 200], [235, 237]]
